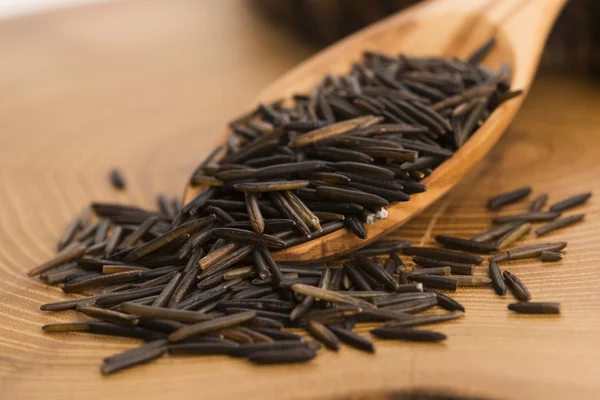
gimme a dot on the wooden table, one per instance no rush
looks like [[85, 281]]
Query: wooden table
[[147, 86]]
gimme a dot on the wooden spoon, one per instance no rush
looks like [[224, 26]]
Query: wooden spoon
[[434, 28]]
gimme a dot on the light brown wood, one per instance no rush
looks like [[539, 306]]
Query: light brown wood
[[436, 27], [134, 85]]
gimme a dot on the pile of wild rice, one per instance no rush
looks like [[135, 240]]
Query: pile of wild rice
[[241, 311], [200, 279]]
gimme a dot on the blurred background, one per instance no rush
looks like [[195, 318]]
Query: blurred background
[[13, 8], [574, 45]]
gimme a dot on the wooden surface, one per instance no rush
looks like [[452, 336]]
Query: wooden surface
[[143, 86]]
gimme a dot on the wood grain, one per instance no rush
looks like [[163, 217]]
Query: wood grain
[[140, 85]]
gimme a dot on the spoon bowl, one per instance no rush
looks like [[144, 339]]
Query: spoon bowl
[[448, 28]]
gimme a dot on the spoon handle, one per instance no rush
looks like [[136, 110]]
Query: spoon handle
[[525, 26]]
